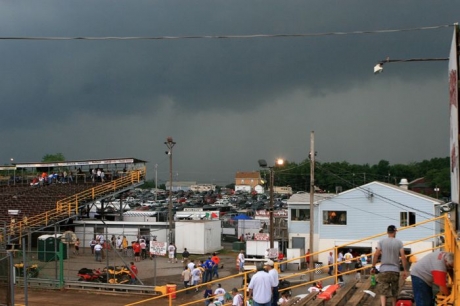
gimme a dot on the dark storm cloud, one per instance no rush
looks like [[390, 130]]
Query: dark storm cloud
[[81, 83]]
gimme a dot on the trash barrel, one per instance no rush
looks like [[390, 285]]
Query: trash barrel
[[238, 246], [171, 288], [318, 267]]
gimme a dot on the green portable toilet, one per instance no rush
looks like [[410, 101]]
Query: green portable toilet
[[48, 247]]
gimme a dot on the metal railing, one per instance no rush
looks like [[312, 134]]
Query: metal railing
[[451, 244], [69, 206]]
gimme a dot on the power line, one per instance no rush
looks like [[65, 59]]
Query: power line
[[292, 35]]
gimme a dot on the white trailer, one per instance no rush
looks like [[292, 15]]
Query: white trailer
[[198, 236], [258, 248]]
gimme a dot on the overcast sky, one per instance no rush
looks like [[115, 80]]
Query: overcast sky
[[226, 102]]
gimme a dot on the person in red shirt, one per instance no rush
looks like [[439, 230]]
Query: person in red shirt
[[137, 251], [134, 272], [215, 269], [307, 258]]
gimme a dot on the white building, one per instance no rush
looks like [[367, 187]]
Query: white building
[[359, 213]]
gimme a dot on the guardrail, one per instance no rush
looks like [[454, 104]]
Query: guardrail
[[451, 245], [69, 205]]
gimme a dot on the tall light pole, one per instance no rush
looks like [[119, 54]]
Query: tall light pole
[[312, 198], [170, 144], [263, 164], [14, 172]]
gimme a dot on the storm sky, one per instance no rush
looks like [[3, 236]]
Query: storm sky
[[226, 102]]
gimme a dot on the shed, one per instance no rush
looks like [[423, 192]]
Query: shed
[[198, 236]]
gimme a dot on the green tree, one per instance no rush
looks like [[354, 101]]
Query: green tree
[[58, 157]]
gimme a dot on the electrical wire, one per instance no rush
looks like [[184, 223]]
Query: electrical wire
[[292, 35]]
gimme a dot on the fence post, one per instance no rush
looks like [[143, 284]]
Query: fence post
[[61, 264]]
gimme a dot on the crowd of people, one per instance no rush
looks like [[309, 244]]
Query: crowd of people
[[432, 270]]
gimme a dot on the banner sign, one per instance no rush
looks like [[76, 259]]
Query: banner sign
[[158, 248]]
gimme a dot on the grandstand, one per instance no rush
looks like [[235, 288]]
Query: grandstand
[[26, 208]]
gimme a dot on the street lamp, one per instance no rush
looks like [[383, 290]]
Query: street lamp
[[14, 171], [170, 144], [436, 189], [263, 164], [379, 67]]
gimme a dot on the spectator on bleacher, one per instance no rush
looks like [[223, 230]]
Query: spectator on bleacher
[[69, 177], [34, 182], [98, 173], [93, 175], [102, 176]]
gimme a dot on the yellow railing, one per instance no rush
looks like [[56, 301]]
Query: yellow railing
[[69, 206], [450, 245]]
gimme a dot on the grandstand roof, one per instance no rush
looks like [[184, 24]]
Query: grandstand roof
[[88, 162]]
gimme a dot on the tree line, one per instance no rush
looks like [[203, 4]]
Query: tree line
[[329, 176]]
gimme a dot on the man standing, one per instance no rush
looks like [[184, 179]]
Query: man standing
[[215, 269], [191, 265], [97, 251], [330, 262], [208, 268], [348, 257], [219, 293], [241, 261], [237, 299], [260, 288], [273, 273], [307, 258], [171, 252], [185, 256], [134, 272], [391, 249], [431, 269], [186, 275], [196, 277]]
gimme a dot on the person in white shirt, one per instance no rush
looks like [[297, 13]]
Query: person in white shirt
[[260, 288], [191, 265], [348, 257], [171, 252], [241, 260], [237, 299], [196, 277], [98, 251], [269, 264], [219, 293]]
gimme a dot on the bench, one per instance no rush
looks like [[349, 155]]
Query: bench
[[324, 296], [359, 295], [343, 294], [304, 301]]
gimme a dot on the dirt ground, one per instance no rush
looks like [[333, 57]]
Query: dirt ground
[[166, 274]]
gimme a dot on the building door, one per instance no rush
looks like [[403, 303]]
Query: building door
[[298, 243]]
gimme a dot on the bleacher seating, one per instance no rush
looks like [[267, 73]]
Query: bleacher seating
[[34, 200]]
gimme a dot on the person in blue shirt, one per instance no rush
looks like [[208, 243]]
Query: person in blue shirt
[[208, 268]]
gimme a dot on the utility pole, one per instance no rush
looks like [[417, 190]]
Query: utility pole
[[156, 182], [312, 199], [170, 144]]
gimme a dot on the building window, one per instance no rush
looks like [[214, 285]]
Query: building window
[[300, 215], [407, 218], [335, 217]]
